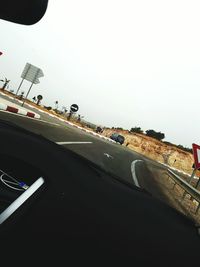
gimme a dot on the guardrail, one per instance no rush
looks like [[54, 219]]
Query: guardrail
[[188, 189]]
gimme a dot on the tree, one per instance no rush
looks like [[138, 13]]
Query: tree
[[79, 117], [69, 115], [6, 81], [39, 98], [64, 109], [157, 135], [56, 105], [185, 148], [48, 107], [22, 95], [136, 130]]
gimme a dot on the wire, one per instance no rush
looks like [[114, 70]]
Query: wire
[[3, 181]]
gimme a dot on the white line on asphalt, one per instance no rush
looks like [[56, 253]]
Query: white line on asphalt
[[135, 180], [52, 123], [72, 143]]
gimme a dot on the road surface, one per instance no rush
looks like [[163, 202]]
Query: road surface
[[127, 165]]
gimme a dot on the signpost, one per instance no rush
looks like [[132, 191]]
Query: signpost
[[39, 97], [31, 74], [73, 109], [196, 165], [196, 153]]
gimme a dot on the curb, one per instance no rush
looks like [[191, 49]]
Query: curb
[[19, 111]]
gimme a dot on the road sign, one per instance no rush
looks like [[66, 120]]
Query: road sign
[[32, 73], [74, 108], [196, 154], [39, 97]]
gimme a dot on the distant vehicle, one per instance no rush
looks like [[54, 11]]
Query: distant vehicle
[[99, 129], [118, 138]]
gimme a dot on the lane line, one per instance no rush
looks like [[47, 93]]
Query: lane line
[[133, 164], [47, 122], [72, 143]]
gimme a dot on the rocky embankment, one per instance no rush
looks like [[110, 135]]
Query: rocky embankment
[[156, 150]]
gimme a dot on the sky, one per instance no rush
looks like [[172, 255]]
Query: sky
[[125, 63]]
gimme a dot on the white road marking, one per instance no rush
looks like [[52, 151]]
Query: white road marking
[[108, 156], [52, 123], [73, 143], [135, 180]]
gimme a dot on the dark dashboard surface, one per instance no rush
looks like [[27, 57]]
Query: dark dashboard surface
[[84, 208]]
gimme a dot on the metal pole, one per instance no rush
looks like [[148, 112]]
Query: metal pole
[[36, 75], [19, 88], [197, 209], [27, 94], [197, 185], [190, 180], [23, 79], [184, 194], [192, 176], [173, 186]]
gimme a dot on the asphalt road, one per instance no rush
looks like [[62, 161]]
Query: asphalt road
[[127, 165]]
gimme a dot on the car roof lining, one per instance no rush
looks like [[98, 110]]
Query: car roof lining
[[23, 11]]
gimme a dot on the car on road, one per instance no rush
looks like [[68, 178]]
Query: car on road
[[118, 138], [99, 129]]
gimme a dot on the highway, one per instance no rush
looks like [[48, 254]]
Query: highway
[[130, 167]]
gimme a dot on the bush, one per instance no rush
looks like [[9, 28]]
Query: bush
[[136, 130], [185, 148], [117, 128], [157, 135], [48, 108]]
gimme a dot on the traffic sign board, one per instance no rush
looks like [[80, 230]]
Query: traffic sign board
[[74, 108], [32, 73], [196, 154]]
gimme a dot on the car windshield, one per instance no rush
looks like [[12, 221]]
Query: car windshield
[[90, 72]]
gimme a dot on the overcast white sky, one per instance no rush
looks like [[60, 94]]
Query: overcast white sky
[[125, 63]]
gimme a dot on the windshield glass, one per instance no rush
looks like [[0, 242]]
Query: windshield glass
[[89, 69]]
